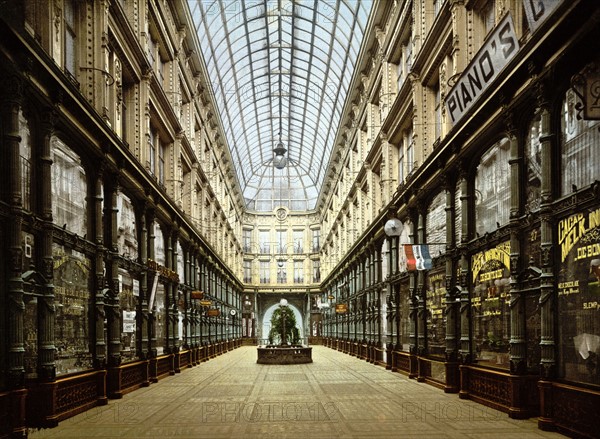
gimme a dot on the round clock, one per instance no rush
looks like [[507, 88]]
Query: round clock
[[233, 312]]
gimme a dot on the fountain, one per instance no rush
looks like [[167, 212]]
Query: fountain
[[283, 325]]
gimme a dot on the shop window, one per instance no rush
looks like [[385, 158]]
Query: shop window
[[490, 307], [160, 318], [127, 242], [533, 161], [492, 188], [580, 148], [69, 189], [457, 213], [435, 226], [25, 157], [159, 245], [435, 301], [72, 285], [129, 292], [578, 296], [404, 310], [180, 264]]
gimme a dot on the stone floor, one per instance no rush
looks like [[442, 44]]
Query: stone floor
[[336, 396]]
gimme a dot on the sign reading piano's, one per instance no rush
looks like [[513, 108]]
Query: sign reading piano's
[[497, 50]]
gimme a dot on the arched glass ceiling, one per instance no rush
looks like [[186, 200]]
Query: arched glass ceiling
[[281, 69]]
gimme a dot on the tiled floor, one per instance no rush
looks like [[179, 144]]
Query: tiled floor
[[337, 396]]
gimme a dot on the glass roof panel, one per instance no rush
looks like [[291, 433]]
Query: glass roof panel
[[280, 71]]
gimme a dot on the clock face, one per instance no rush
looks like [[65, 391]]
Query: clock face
[[232, 312], [281, 214]]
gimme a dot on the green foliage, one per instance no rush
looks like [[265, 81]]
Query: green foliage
[[292, 334]]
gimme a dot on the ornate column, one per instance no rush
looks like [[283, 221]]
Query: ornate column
[[16, 307], [46, 349], [100, 351], [114, 312], [150, 216], [518, 337], [142, 307], [451, 293], [547, 292], [464, 352]]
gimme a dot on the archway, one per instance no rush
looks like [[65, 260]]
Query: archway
[[266, 322]]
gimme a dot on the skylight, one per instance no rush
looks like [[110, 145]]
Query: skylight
[[280, 72]]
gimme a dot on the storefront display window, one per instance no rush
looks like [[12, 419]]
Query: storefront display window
[[579, 296], [435, 226], [25, 153], [30, 320], [159, 245], [69, 189], [492, 188], [72, 283], [128, 298], [160, 318], [533, 157], [580, 148], [404, 308], [490, 305], [126, 231], [436, 322]]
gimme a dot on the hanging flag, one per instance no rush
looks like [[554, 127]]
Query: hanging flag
[[422, 256], [411, 262]]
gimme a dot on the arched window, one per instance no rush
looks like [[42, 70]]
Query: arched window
[[492, 188], [580, 148], [69, 189]]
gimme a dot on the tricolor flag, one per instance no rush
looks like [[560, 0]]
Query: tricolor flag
[[422, 256], [415, 257]]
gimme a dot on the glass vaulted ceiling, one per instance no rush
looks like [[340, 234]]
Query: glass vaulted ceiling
[[280, 70]]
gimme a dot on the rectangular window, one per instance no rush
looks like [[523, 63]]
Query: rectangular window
[[151, 151], [263, 238], [316, 240], [316, 271], [70, 36], [281, 241], [247, 270], [410, 152], [265, 277], [401, 163], [437, 110], [298, 241], [281, 272], [298, 272], [247, 240], [161, 161]]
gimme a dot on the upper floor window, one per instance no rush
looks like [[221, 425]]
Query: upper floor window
[[298, 241], [263, 241], [247, 240], [316, 240], [265, 272], [488, 16], [316, 271], [298, 272], [247, 270], [70, 36], [492, 188]]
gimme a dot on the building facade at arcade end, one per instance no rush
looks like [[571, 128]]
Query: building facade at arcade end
[[420, 180]]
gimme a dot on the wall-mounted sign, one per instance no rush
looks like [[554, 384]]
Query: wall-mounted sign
[[497, 50], [213, 312], [499, 254], [341, 308], [205, 303], [198, 295], [538, 10]]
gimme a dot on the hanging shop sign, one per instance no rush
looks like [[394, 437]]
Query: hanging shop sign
[[163, 271], [205, 303], [213, 312], [341, 308], [198, 295], [498, 49], [537, 11]]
